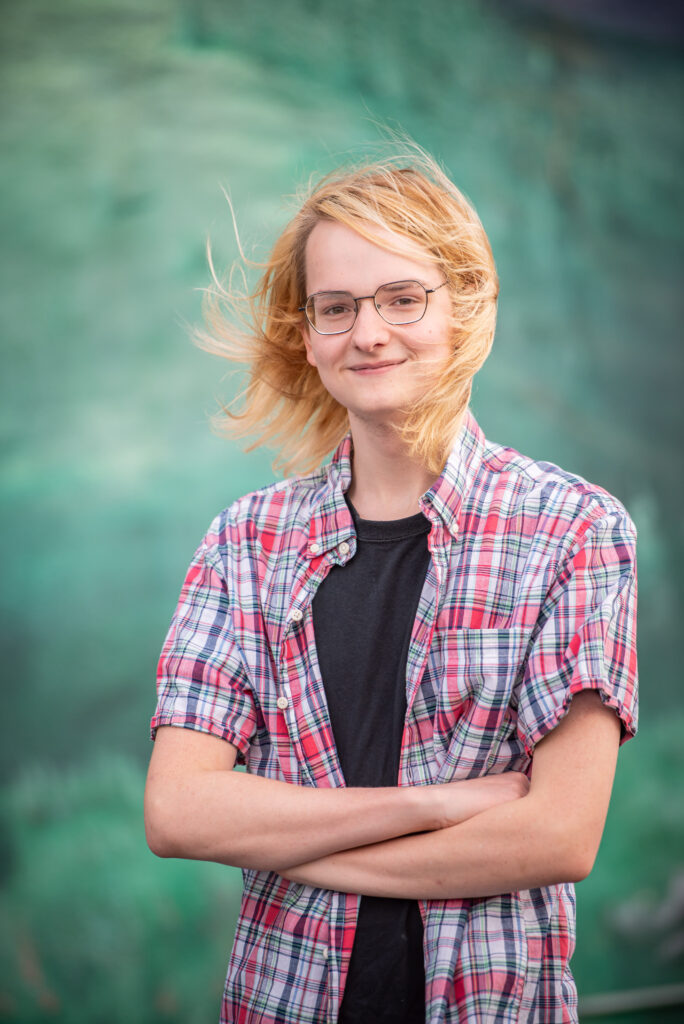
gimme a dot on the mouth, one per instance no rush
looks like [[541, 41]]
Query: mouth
[[369, 369]]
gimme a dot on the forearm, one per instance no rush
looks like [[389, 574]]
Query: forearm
[[197, 807], [506, 848], [248, 821], [550, 835]]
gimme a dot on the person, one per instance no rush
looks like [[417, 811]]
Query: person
[[422, 650]]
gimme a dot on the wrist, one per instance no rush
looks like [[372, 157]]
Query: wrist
[[426, 807]]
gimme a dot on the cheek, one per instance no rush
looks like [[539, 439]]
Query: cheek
[[326, 357]]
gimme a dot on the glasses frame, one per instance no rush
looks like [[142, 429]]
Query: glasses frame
[[359, 298]]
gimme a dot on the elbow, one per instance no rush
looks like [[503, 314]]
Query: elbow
[[574, 867], [583, 862], [159, 841], [156, 842], [560, 847], [169, 833], [575, 855]]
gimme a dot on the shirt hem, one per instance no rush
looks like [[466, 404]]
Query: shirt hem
[[200, 724], [627, 720]]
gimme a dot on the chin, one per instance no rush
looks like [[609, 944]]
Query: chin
[[387, 414]]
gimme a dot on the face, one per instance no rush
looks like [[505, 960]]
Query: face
[[374, 369]]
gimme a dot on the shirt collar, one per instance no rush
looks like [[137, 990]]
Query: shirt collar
[[456, 480], [331, 522]]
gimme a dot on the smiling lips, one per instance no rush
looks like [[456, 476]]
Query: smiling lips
[[371, 368]]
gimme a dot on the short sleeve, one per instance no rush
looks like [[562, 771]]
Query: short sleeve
[[587, 632], [201, 680]]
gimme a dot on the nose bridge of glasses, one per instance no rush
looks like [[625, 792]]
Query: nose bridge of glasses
[[362, 298], [373, 303]]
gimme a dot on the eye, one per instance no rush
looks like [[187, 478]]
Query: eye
[[333, 305], [402, 295], [338, 309]]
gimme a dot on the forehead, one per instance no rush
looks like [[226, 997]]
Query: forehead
[[338, 257]]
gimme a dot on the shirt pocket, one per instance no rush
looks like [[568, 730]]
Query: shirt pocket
[[474, 725]]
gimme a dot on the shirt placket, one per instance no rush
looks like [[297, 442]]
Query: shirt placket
[[303, 704], [301, 698], [439, 544], [439, 541]]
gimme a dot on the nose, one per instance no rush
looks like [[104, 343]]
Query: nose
[[369, 328]]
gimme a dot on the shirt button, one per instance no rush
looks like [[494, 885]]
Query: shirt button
[[282, 703], [343, 548], [314, 548], [297, 615]]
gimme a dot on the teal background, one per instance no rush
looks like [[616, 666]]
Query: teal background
[[120, 122]]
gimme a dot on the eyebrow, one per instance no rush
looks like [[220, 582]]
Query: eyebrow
[[390, 284], [396, 285]]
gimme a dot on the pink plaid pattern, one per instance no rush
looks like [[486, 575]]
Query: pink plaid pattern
[[530, 597]]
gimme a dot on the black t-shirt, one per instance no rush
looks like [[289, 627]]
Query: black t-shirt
[[363, 614]]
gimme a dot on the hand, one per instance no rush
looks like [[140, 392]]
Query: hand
[[464, 798]]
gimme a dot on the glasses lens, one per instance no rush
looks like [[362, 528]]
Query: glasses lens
[[402, 302], [331, 312]]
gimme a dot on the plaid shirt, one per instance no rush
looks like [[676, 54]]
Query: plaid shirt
[[529, 598]]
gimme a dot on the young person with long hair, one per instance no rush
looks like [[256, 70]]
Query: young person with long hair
[[422, 650]]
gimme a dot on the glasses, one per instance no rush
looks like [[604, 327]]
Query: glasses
[[400, 302]]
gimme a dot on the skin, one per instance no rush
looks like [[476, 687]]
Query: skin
[[376, 368], [548, 836], [477, 837], [196, 807]]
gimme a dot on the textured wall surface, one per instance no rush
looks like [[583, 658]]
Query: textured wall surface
[[119, 123]]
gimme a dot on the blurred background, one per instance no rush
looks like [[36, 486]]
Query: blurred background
[[120, 121]]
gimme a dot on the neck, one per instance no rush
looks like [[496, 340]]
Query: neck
[[386, 481]]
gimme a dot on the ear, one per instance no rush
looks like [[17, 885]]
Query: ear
[[310, 357]]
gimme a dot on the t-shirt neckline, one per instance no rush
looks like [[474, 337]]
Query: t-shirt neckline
[[388, 529]]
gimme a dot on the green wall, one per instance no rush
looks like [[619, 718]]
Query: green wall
[[120, 122]]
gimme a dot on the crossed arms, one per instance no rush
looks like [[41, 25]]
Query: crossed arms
[[477, 837]]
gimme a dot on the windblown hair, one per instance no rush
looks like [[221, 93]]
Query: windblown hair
[[284, 403]]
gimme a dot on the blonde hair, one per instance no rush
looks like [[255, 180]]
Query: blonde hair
[[284, 403]]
